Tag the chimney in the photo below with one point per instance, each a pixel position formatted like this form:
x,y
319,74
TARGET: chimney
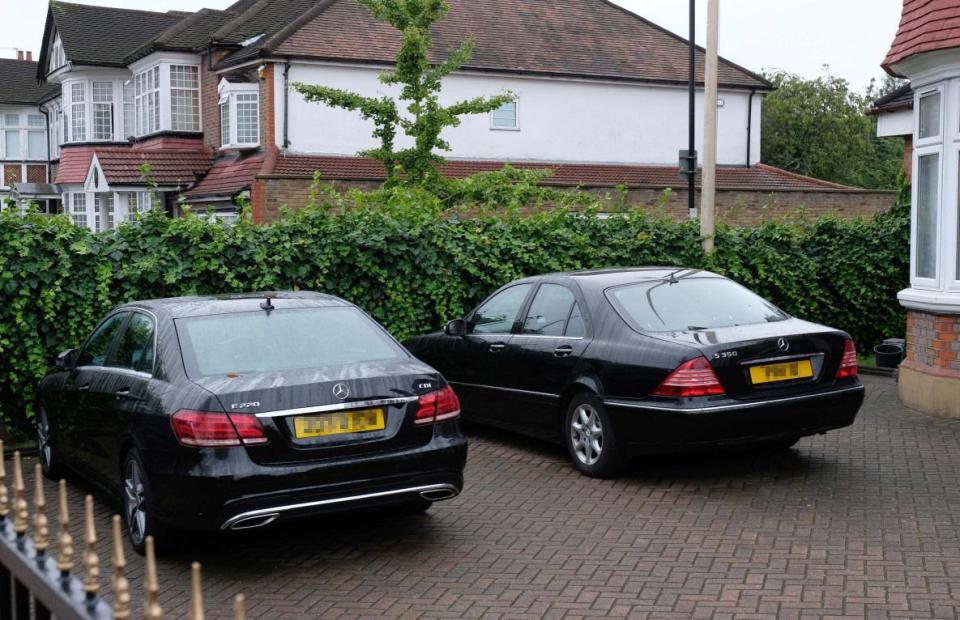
x,y
19,55
29,56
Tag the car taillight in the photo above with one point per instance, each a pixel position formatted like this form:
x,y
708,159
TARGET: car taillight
x,y
848,363
438,406
692,378
208,429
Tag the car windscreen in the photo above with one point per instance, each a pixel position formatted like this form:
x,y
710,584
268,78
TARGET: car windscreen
x,y
691,304
282,340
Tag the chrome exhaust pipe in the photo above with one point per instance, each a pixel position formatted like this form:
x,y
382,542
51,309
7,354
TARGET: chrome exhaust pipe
x,y
250,523
438,495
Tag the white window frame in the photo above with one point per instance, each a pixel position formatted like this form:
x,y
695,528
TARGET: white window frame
x,y
516,126
228,98
921,94
199,107
933,145
71,199
57,56
100,105
147,101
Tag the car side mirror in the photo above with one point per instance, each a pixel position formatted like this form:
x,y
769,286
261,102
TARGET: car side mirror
x,y
68,359
457,327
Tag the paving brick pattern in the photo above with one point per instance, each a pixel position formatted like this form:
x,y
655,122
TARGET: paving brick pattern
x,y
863,522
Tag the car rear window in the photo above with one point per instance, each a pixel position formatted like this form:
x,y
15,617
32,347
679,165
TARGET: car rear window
x,y
283,340
691,304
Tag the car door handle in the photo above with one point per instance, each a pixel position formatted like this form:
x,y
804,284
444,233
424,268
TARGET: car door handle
x,y
564,351
123,392
497,347
84,388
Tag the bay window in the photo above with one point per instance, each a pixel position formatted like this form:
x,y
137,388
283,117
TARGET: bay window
x,y
102,98
239,115
185,97
78,209
146,94
928,193
78,113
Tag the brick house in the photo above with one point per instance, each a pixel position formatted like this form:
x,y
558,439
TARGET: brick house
x,y
24,169
926,51
205,100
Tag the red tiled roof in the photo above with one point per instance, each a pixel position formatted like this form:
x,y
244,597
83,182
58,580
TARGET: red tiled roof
x,y
74,164
757,178
586,38
228,177
121,166
925,26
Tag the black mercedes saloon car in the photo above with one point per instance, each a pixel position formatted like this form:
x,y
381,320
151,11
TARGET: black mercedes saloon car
x,y
227,413
618,362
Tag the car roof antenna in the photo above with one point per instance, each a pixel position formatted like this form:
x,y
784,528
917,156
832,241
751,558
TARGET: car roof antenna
x,y
268,305
672,278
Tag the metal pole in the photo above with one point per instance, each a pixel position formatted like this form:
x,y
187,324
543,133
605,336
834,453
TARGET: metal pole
x,y
692,177
709,185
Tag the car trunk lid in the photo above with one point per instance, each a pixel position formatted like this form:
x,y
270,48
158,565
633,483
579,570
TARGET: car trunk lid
x,y
768,359
329,413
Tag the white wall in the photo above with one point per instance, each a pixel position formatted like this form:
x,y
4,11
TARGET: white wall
x,y
560,120
899,123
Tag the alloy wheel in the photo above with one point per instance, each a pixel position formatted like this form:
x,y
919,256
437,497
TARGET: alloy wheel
x,y
133,500
586,431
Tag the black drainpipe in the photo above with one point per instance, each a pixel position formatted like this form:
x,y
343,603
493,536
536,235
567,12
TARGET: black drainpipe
x,y
286,105
49,159
750,123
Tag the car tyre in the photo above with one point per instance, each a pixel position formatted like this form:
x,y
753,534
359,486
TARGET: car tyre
x,y
49,460
590,438
139,507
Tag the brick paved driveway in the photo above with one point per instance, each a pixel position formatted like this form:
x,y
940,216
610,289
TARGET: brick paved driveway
x,y
860,522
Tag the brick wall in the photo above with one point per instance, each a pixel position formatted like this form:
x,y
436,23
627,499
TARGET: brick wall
x,y
267,105
933,340
737,208
210,100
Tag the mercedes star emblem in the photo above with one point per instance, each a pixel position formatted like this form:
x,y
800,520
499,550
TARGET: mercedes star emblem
x,y
341,391
784,345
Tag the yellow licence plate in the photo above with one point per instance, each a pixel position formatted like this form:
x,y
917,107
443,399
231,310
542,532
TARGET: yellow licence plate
x,y
340,423
786,371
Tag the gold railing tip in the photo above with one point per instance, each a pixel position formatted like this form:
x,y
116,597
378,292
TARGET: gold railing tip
x,y
120,584
197,598
41,527
151,604
21,512
91,563
239,607
65,542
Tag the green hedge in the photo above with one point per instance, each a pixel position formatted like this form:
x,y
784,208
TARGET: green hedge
x,y
414,268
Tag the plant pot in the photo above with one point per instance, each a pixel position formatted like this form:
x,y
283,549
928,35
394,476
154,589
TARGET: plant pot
x,y
888,355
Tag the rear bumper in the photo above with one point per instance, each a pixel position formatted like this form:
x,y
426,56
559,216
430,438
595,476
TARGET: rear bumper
x,y
215,489
647,427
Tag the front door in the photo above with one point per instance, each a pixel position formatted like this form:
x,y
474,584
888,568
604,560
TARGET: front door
x,y
478,369
79,428
551,340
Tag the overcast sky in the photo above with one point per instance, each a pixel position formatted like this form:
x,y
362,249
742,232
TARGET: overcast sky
x,y
851,36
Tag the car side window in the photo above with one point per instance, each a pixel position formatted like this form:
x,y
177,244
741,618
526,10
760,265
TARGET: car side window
x,y
549,311
135,351
498,314
576,327
98,344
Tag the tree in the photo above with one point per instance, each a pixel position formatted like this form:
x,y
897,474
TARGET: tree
x,y
420,83
821,128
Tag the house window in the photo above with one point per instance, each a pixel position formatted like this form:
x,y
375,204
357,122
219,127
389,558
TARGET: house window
x,y
239,115
78,209
225,123
36,145
929,115
102,96
36,174
11,144
11,174
138,203
185,97
129,111
78,113
57,58
928,186
11,120
248,118
36,120
505,117
146,94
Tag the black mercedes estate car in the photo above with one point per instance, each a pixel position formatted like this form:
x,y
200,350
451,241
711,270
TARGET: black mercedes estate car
x,y
627,361
227,413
